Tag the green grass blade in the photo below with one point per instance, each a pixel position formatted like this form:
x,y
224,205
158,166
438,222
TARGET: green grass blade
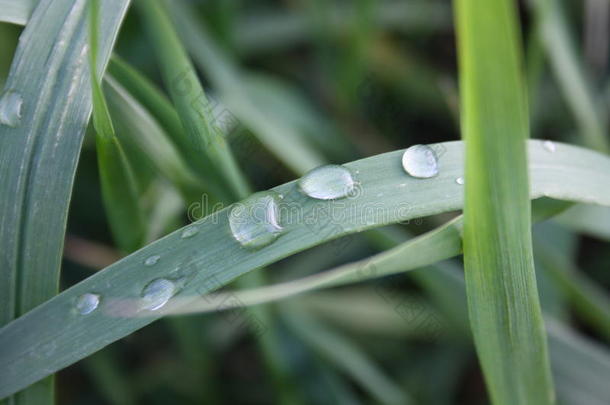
x,y
136,127
570,74
38,160
187,93
570,173
346,356
279,137
591,220
588,300
503,302
119,190
16,11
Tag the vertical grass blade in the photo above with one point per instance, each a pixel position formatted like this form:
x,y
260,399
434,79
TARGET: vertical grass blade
x,y
119,190
38,154
503,302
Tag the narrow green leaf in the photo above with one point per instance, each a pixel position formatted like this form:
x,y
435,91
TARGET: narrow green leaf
x,y
569,173
279,137
119,190
187,93
570,74
39,153
504,308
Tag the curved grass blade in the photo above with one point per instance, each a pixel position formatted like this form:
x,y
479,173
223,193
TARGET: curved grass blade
x,y
212,258
503,303
119,190
187,93
38,158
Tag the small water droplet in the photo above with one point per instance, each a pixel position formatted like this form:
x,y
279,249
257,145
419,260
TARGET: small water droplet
x,y
156,293
189,232
255,221
327,182
460,181
549,146
380,195
10,108
402,185
420,161
87,303
152,260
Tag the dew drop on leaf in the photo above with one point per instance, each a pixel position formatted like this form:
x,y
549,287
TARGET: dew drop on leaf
x,y
328,182
87,303
420,161
152,260
189,232
255,221
156,293
10,108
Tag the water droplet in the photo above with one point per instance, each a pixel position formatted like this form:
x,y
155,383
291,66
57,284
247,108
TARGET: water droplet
x,y
10,108
87,303
460,181
189,232
152,260
157,293
420,161
549,146
255,222
327,182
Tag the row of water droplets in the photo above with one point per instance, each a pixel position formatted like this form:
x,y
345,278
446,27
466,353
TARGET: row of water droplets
x,y
154,295
255,222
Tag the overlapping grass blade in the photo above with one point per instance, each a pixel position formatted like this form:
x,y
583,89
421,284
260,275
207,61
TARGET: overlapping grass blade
x,y
569,173
503,299
231,84
191,102
38,159
16,11
119,189
570,74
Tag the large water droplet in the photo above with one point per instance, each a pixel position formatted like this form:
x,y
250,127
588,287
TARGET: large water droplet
x,y
549,146
87,303
157,293
420,161
189,232
255,222
327,182
152,260
460,181
10,108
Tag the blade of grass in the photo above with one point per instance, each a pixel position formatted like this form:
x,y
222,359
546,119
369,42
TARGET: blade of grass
x,y
191,101
16,11
503,303
280,138
119,190
569,173
193,108
346,356
570,74
38,160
